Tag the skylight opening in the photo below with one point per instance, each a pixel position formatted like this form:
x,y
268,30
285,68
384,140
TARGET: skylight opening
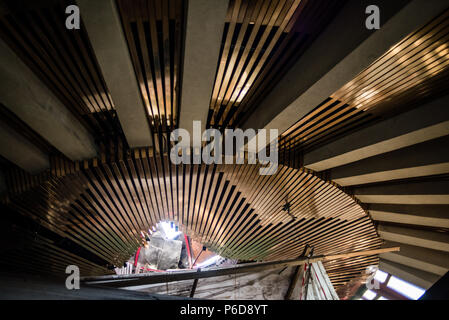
x,y
370,295
169,229
381,276
405,288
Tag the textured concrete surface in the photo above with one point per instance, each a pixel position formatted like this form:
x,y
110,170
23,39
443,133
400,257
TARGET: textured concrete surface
x,y
25,95
267,285
20,151
205,23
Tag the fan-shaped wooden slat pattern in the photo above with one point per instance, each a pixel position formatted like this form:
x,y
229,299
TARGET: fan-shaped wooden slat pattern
x,y
231,209
154,32
413,70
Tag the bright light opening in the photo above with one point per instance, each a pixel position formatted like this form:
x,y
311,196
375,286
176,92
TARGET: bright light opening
x,y
370,295
169,230
382,298
405,288
381,276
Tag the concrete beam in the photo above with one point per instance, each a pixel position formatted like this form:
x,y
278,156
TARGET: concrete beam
x,y
26,96
420,238
425,123
427,215
426,192
202,51
20,151
103,25
424,159
353,61
417,277
433,261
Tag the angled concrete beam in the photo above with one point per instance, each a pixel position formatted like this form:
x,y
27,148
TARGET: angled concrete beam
x,y
104,28
424,159
433,261
26,96
421,215
20,151
425,123
420,238
417,277
427,192
347,25
202,51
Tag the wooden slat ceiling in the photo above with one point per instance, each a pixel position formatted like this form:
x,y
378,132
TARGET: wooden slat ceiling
x,y
415,69
325,122
33,253
154,31
103,204
234,211
260,41
62,59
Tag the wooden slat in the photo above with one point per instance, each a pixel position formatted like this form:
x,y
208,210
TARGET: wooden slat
x,y
154,31
261,40
415,69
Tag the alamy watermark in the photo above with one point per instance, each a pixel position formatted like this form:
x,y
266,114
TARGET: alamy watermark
x,y
207,147
73,20
72,282
372,22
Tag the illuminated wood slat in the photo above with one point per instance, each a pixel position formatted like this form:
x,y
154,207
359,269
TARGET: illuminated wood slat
x,y
413,70
408,63
231,209
261,39
64,60
153,31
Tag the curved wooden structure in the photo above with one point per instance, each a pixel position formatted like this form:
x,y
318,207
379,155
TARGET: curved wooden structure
x,y
231,209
